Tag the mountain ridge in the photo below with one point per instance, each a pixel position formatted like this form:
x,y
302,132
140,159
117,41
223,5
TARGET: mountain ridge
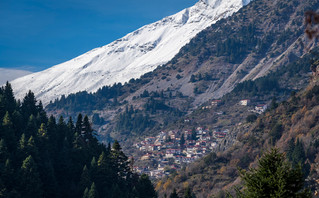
x,y
129,57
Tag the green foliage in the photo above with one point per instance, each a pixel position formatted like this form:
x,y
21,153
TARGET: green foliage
x,y
144,188
251,118
31,185
83,101
276,132
273,177
42,158
133,121
93,192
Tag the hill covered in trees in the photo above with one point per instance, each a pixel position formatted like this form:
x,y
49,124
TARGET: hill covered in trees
x,y
42,157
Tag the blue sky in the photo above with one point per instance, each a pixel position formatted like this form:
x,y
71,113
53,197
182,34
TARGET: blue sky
x,y
37,34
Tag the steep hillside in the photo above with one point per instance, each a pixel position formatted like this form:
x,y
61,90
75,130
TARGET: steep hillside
x,y
262,37
292,126
129,57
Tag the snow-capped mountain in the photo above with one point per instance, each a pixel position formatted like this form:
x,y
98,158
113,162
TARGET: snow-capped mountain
x,y
129,57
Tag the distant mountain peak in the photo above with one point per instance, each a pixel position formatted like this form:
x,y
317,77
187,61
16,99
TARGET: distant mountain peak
x,y
133,55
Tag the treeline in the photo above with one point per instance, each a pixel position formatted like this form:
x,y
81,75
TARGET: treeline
x,y
42,157
138,120
236,48
133,121
107,96
82,101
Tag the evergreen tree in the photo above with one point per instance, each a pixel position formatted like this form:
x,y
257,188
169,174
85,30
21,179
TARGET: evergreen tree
x,y
32,127
298,155
53,156
182,142
93,169
8,132
194,134
9,100
4,154
291,148
29,106
78,125
32,149
70,131
9,178
41,116
86,193
93,192
85,180
273,178
87,130
145,188
31,186
105,175
120,161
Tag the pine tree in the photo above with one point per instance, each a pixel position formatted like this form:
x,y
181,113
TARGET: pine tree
x,y
105,175
93,169
32,149
120,161
8,131
4,154
31,186
32,127
29,106
78,125
298,155
291,148
86,193
85,180
273,177
87,130
93,192
70,131
9,100
9,178
182,142
41,116
145,187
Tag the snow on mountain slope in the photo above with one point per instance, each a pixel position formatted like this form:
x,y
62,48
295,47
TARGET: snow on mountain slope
x,y
129,57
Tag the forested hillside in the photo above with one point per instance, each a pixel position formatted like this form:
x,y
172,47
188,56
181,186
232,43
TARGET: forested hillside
x,y
42,157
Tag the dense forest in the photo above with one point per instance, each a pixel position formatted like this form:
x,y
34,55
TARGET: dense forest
x,y
42,157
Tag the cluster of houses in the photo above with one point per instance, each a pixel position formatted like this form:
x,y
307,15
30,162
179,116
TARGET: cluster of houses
x,y
173,148
259,108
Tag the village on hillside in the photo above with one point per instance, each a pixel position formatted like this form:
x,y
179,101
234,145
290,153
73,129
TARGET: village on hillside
x,y
170,150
